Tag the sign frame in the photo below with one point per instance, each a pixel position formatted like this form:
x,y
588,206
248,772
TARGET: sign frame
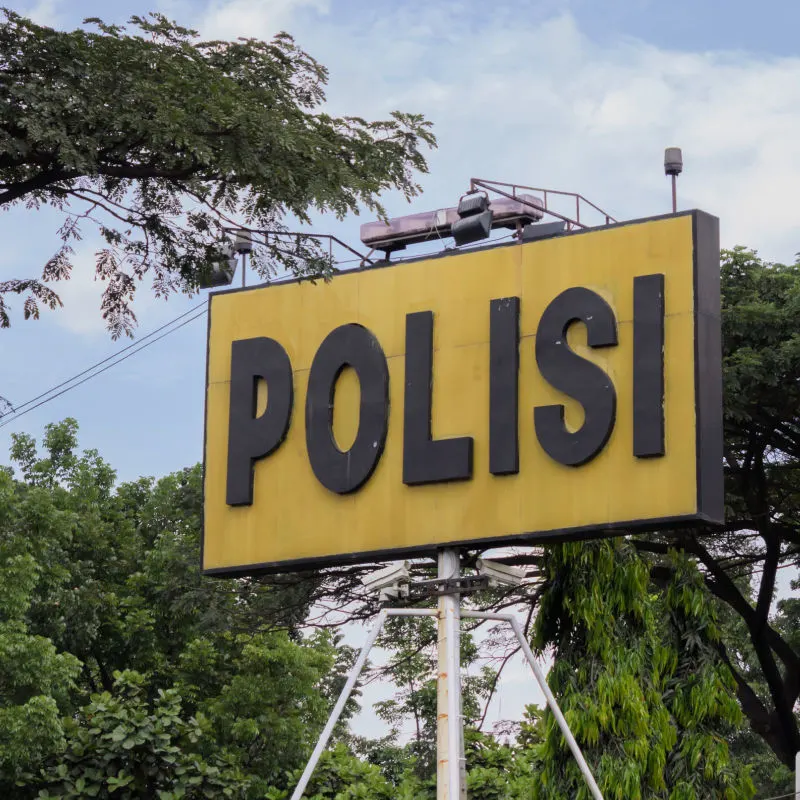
x,y
708,425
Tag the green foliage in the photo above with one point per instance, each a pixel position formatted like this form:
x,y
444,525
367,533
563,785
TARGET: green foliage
x,y
761,362
638,678
120,745
105,619
266,702
160,140
761,305
340,776
36,681
215,673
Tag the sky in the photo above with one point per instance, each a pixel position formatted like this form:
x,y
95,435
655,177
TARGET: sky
x,y
578,95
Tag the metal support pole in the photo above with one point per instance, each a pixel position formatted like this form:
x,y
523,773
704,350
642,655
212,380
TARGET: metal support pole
x,y
797,776
339,707
449,735
244,267
551,700
451,764
349,686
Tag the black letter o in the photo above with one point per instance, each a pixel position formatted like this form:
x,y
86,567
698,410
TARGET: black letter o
x,y
347,346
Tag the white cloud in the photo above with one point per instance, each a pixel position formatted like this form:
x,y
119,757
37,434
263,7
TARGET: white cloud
x,y
44,12
253,18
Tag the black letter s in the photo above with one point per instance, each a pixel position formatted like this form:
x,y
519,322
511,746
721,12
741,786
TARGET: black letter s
x,y
566,371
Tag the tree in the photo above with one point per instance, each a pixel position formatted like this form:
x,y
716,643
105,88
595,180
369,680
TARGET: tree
x,y
161,140
121,746
35,680
118,659
413,667
638,678
761,359
219,675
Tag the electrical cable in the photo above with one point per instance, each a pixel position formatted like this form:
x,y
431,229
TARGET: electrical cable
x,y
138,342
141,345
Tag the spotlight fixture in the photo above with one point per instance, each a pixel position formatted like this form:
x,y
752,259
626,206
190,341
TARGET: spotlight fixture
x,y
542,230
475,219
220,268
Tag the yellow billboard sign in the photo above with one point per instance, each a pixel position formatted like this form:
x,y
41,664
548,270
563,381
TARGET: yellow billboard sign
x,y
561,388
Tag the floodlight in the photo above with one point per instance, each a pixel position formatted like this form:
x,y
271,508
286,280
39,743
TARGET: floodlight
x,y
542,231
219,269
475,219
472,228
470,204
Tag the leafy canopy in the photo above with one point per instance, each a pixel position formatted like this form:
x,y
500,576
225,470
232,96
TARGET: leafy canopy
x,y
123,671
161,140
638,678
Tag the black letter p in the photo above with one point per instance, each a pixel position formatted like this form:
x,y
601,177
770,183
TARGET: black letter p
x,y
251,437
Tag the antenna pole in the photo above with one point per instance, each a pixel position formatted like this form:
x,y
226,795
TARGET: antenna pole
x,y
673,166
674,194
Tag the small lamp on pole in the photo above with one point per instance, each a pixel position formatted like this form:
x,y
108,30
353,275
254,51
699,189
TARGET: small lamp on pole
x,y
673,166
243,245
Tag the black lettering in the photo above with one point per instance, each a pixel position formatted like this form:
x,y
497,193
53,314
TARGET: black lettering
x,y
648,366
504,386
250,437
347,346
575,376
426,460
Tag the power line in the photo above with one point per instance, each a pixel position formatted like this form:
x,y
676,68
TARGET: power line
x,y
137,343
135,348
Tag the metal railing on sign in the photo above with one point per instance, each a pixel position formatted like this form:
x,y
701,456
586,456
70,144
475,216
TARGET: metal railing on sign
x,y
516,190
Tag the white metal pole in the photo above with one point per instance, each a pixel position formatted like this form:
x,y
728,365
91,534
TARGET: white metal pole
x,y
797,776
448,696
339,707
551,700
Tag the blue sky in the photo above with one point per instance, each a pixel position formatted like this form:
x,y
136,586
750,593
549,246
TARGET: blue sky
x,y
580,95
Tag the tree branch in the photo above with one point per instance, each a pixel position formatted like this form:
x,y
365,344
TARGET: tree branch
x,y
41,181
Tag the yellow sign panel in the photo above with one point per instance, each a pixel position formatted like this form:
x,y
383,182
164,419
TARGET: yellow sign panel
x,y
565,387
